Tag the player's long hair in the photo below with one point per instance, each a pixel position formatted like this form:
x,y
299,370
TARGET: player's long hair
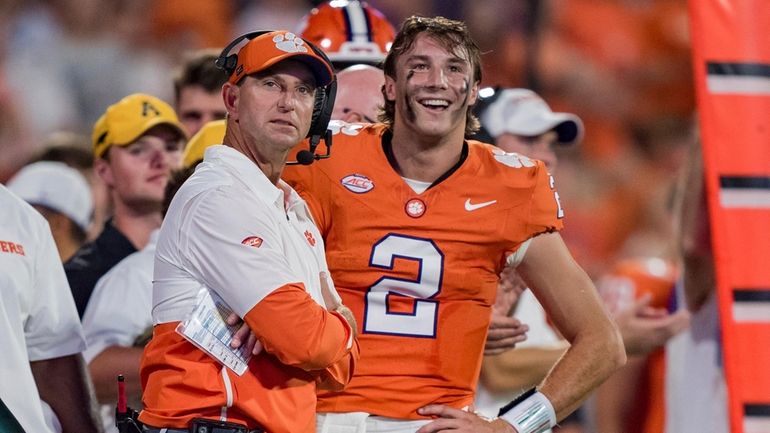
x,y
453,36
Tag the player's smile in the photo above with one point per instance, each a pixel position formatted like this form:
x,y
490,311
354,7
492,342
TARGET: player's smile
x,y
434,104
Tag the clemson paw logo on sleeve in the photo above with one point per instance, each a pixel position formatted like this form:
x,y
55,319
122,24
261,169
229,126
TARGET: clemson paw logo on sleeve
x,y
514,160
252,241
290,43
339,126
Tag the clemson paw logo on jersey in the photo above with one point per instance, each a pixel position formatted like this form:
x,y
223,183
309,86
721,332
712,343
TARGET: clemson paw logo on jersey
x,y
415,208
252,241
290,43
514,160
357,183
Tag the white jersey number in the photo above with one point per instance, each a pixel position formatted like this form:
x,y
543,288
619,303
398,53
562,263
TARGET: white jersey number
x,y
421,321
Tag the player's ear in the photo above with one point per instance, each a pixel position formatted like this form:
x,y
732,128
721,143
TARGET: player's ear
x,y
389,88
474,96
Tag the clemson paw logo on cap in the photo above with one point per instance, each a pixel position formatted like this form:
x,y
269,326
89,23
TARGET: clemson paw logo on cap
x,y
290,43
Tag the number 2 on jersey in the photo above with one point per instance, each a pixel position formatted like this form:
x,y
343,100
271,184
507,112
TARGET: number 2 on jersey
x,y
421,321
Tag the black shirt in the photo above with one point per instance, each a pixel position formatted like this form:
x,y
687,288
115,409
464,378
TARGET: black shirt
x,y
93,260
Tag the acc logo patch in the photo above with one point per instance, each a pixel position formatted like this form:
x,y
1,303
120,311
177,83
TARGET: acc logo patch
x,y
357,183
514,160
252,241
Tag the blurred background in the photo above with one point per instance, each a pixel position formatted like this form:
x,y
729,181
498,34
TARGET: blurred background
x,y
623,66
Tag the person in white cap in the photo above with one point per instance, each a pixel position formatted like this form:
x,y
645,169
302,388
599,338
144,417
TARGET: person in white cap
x,y
518,120
136,144
62,195
40,333
236,230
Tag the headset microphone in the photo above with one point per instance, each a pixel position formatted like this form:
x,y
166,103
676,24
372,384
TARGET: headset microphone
x,y
305,157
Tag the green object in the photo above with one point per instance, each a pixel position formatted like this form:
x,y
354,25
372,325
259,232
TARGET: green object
x,y
8,422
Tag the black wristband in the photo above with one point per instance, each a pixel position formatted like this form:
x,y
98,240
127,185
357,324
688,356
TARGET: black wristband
x,y
516,401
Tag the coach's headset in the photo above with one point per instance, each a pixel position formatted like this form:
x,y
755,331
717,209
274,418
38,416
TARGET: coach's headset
x,y
322,106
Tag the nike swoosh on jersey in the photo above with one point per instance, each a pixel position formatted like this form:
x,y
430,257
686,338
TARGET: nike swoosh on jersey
x,y
470,207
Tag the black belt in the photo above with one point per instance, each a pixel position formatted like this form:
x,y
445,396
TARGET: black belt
x,y
200,425
176,430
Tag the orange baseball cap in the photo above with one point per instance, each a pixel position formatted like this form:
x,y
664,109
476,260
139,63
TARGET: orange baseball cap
x,y
270,48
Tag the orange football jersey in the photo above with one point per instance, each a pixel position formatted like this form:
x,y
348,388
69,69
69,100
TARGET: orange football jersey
x,y
419,271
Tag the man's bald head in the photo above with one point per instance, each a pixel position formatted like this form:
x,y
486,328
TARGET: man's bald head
x,y
359,94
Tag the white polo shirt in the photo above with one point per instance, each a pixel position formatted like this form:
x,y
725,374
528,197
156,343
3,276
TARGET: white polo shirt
x,y
120,310
38,319
230,229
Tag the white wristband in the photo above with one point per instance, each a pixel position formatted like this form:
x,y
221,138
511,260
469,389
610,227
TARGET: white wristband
x,y
534,414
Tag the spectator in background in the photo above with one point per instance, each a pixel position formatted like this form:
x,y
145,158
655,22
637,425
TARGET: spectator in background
x,y
76,54
75,151
118,322
40,333
62,195
137,142
211,133
359,94
696,392
197,90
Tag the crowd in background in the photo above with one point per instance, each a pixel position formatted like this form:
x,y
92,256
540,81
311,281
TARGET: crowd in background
x,y
622,66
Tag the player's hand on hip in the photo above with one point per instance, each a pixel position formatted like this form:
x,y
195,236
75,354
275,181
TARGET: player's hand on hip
x,y
459,421
334,303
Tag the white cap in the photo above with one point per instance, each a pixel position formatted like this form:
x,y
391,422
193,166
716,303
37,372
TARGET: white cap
x,y
523,112
57,186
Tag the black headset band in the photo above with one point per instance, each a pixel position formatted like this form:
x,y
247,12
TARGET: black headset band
x,y
227,62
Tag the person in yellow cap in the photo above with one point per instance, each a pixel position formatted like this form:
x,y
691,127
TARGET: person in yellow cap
x,y
136,144
210,134
236,232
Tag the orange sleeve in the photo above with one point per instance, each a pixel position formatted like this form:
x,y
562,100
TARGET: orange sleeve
x,y
298,331
337,375
545,213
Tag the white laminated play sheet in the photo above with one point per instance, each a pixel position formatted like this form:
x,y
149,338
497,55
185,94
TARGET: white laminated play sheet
x,y
206,328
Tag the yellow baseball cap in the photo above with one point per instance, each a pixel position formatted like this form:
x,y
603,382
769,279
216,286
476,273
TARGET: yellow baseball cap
x,y
128,119
270,48
212,133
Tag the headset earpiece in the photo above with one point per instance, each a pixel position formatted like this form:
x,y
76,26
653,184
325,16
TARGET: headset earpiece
x,y
226,61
